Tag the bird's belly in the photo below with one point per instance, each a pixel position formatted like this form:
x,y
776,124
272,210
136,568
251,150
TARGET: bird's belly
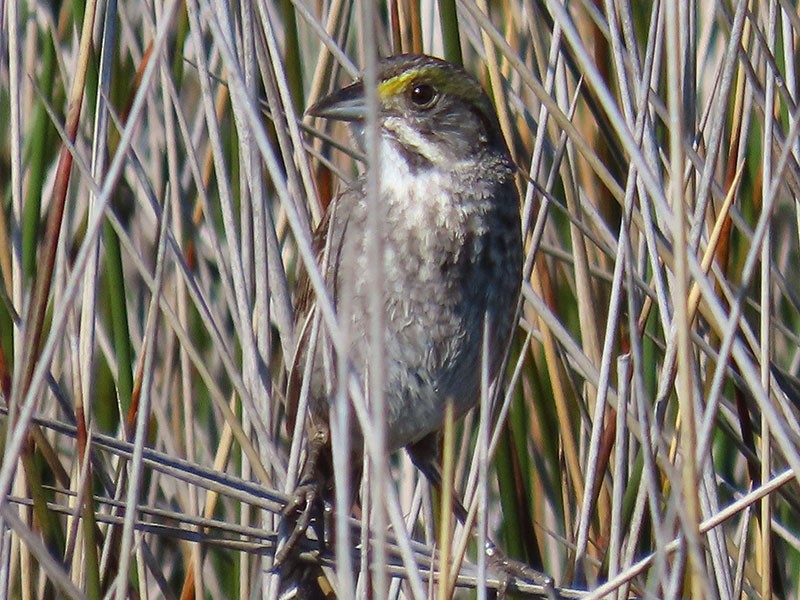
x,y
429,362
416,410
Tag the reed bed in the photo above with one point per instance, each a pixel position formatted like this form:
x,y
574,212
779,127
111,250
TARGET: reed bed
x,y
160,184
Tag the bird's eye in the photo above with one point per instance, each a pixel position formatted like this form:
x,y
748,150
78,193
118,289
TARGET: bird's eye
x,y
423,95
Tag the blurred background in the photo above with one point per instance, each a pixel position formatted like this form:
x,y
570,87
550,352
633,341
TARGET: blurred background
x,y
159,187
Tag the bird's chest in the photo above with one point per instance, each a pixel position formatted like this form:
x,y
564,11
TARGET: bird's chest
x,y
434,288
442,264
434,237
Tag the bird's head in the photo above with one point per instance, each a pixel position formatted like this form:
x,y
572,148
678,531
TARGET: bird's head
x,y
434,111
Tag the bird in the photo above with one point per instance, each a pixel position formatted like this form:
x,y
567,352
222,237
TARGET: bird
x,y
451,263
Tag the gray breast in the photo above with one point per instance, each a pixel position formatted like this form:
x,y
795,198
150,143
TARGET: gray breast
x,y
439,282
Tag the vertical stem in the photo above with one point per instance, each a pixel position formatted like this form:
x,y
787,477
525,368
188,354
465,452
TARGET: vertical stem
x,y
375,268
675,17
446,511
448,18
765,334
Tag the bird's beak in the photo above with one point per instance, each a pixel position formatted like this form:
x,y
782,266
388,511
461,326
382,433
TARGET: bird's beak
x,y
346,104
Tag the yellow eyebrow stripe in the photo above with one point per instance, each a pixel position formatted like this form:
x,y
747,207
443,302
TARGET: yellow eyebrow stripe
x,y
397,84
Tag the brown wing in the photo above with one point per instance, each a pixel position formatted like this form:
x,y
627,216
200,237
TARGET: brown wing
x,y
304,311
327,245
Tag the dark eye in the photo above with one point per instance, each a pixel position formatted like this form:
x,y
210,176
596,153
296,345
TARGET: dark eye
x,y
423,95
